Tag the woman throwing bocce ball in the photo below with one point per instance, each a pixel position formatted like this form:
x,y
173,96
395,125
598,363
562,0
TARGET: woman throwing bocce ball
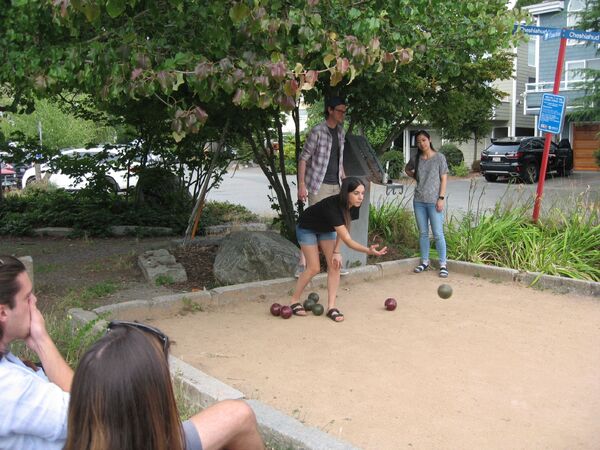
x,y
326,224
430,170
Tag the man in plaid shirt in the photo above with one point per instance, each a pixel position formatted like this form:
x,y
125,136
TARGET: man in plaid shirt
x,y
321,163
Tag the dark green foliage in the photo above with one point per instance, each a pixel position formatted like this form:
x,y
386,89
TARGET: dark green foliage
x,y
396,159
597,156
453,155
36,208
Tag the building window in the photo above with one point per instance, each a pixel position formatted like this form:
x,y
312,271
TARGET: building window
x,y
573,73
574,10
531,46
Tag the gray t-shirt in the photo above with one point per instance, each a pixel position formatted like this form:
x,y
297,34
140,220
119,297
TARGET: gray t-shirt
x,y
430,174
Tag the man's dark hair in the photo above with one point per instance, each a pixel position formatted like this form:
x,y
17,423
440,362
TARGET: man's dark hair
x,y
10,269
332,102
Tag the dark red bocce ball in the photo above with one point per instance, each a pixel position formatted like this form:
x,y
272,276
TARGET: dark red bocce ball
x,y
286,312
390,304
275,309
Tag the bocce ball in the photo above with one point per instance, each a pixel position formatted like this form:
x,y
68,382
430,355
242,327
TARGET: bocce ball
x,y
286,312
317,309
309,304
275,309
314,297
445,291
390,304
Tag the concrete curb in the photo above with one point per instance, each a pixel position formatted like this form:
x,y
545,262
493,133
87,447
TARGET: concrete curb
x,y
283,430
276,427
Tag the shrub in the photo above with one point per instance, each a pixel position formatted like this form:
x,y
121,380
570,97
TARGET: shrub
x,y
396,160
459,171
597,156
454,156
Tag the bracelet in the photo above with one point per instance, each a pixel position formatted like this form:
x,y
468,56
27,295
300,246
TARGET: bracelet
x,y
336,253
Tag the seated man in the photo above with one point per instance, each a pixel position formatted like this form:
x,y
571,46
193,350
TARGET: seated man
x,y
34,402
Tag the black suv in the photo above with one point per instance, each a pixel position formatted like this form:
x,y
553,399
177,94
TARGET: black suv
x,y
522,157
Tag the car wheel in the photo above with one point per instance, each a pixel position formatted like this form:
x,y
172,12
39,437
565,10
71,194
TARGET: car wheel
x,y
29,181
490,178
531,173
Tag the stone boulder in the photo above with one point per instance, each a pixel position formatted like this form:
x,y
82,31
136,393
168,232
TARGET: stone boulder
x,y
246,256
160,263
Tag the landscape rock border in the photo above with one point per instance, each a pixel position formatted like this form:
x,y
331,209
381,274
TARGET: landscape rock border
x,y
278,428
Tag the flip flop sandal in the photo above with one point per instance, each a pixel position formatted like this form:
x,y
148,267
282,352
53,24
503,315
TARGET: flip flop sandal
x,y
334,313
421,267
443,272
298,308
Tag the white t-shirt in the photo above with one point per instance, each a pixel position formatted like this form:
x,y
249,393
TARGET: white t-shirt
x,y
33,411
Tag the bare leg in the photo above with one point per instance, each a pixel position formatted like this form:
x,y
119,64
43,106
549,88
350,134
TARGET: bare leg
x,y
333,274
311,253
229,424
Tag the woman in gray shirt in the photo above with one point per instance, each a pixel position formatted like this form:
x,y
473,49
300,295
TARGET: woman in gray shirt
x,y
430,170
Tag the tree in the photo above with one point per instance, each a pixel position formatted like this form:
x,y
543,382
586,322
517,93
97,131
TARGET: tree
x,y
471,114
523,3
459,50
247,62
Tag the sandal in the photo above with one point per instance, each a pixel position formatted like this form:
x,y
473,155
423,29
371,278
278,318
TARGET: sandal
x,y
334,313
298,309
421,267
443,272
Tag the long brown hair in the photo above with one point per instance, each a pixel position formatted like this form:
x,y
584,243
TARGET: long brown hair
x,y
349,184
122,396
10,269
419,152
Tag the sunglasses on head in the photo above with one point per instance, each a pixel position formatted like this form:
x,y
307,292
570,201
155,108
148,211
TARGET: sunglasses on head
x,y
163,338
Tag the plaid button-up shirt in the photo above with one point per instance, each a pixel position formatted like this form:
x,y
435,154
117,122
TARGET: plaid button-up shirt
x,y
316,153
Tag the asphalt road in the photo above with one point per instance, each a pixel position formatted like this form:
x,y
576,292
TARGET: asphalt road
x,y
249,187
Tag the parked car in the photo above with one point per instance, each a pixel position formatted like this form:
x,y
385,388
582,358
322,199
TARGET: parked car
x,y
19,169
117,180
7,176
522,157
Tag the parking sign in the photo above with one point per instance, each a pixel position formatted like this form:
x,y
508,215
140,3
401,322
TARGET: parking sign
x,y
551,113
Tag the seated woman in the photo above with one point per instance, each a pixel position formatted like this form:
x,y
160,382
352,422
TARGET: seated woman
x,y
326,224
122,398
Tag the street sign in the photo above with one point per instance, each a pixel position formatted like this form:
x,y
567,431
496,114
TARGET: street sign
x,y
537,31
552,113
581,35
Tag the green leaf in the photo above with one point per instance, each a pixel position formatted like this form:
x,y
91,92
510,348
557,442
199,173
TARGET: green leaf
x,y
239,12
327,59
115,8
179,81
91,12
178,136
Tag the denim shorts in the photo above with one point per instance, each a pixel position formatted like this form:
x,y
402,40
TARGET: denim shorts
x,y
310,237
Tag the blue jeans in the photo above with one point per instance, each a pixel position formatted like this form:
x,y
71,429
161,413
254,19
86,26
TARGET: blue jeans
x,y
425,214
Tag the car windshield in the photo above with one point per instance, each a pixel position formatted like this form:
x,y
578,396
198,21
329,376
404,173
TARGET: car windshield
x,y
502,148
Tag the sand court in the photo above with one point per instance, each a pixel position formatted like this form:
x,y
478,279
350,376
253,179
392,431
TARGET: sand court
x,y
496,366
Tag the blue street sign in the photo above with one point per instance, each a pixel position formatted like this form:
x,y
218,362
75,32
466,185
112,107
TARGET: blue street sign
x,y
551,113
538,31
581,35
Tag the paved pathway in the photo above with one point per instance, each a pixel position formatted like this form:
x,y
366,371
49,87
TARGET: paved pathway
x,y
249,187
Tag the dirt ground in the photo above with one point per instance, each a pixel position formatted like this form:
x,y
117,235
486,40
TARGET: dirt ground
x,y
496,366
63,266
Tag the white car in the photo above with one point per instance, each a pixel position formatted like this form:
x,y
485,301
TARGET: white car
x,y
118,180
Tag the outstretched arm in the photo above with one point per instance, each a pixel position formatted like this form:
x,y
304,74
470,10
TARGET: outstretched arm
x,y
344,235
